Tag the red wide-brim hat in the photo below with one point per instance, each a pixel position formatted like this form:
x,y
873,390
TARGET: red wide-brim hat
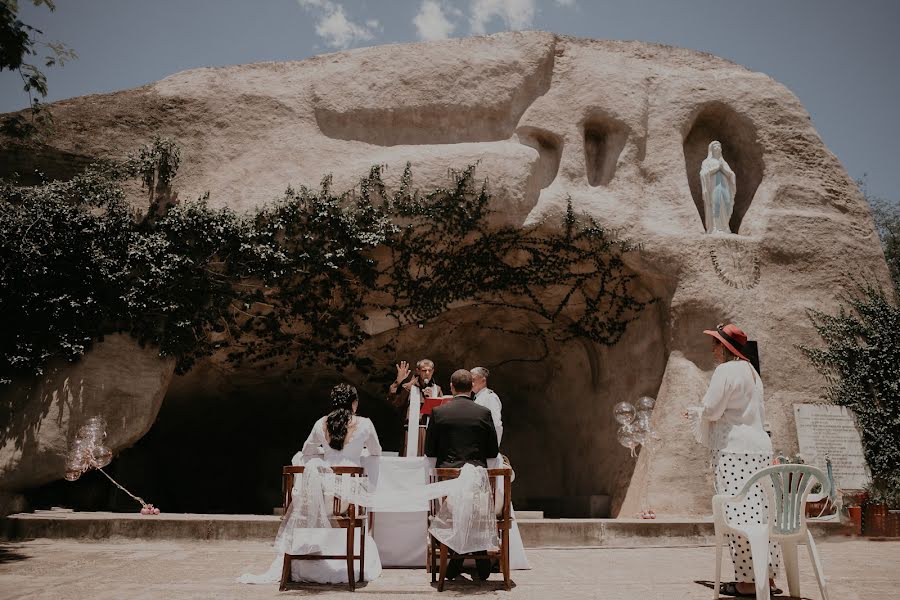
x,y
732,337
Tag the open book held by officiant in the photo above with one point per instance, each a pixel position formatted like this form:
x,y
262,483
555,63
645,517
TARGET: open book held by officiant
x,y
429,404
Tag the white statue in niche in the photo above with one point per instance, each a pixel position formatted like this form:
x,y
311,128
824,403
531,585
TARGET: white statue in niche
x,y
719,185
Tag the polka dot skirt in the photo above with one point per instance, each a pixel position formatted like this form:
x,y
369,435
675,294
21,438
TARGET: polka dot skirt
x,y
732,471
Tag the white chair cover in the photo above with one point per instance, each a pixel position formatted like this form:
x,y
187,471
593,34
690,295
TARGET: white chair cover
x,y
465,523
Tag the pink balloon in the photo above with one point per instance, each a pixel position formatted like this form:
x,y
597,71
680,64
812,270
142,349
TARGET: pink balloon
x,y
145,511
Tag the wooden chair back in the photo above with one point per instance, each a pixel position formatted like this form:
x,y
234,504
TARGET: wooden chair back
x,y
343,515
289,474
504,474
498,477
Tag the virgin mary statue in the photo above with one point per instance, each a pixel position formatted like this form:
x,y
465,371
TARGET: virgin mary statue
x,y
719,185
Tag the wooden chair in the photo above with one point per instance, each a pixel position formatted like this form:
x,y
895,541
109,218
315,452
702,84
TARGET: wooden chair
x,y
344,517
504,524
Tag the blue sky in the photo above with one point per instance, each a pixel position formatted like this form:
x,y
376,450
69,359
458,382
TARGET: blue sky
x,y
839,57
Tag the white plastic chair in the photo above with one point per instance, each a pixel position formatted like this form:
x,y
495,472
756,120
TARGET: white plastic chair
x,y
790,484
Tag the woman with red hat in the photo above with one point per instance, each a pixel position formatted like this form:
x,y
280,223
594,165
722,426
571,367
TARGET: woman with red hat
x,y
731,423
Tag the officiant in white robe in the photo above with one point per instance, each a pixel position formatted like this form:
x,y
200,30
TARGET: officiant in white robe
x,y
486,397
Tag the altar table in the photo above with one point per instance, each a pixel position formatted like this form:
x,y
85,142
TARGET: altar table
x,y
401,536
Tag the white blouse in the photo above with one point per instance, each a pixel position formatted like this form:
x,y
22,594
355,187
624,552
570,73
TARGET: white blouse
x,y
732,416
362,436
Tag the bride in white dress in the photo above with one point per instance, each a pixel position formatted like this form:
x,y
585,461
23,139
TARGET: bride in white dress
x,y
343,435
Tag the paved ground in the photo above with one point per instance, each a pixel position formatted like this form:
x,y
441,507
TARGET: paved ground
x,y
61,570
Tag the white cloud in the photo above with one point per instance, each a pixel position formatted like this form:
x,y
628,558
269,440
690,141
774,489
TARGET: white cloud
x,y
333,26
515,14
431,22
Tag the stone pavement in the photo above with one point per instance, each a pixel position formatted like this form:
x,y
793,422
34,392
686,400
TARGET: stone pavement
x,y
188,570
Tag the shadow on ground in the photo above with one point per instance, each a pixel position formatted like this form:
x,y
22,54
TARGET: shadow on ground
x,y
9,553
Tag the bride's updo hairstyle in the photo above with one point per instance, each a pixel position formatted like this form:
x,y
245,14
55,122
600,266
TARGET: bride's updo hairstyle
x,y
342,398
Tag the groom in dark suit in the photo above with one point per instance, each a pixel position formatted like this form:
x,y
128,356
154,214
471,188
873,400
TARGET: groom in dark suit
x,y
461,432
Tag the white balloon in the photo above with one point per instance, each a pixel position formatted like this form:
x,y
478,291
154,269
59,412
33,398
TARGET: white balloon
x,y
642,420
645,403
625,436
101,457
624,412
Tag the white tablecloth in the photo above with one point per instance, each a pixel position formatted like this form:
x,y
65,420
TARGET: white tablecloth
x,y
401,536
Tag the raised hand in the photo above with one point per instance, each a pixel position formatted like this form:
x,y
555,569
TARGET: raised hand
x,y
402,372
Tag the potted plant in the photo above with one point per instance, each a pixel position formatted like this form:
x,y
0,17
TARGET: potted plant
x,y
853,502
817,503
881,516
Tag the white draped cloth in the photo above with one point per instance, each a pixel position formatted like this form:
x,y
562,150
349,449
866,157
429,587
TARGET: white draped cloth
x,y
466,521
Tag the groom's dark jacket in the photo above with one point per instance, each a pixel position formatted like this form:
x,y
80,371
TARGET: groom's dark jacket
x,y
461,432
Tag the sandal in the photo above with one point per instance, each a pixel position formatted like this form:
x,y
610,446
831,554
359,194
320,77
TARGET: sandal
x,y
730,589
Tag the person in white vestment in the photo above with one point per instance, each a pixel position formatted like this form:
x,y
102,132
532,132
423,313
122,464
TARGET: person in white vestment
x,y
344,435
731,423
488,398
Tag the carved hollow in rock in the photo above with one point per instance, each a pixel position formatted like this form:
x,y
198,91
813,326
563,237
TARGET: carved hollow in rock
x,y
604,140
398,119
740,147
549,147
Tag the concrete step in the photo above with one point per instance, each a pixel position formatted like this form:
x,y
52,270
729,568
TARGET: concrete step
x,y
536,533
529,515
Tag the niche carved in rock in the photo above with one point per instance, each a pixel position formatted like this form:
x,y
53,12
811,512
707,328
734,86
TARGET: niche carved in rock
x,y
740,147
549,147
604,140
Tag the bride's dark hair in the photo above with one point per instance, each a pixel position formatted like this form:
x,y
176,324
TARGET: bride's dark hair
x,y
338,420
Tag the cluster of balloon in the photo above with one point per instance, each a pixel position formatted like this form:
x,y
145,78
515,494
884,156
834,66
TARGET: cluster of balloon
x,y
634,423
89,452
634,430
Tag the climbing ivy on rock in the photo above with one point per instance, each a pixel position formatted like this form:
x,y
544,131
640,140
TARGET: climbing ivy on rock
x,y
861,365
292,283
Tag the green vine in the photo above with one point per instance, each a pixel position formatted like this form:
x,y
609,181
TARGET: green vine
x,y
861,365
156,163
290,284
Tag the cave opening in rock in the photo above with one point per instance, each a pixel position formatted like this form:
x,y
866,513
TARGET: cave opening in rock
x,y
740,147
222,436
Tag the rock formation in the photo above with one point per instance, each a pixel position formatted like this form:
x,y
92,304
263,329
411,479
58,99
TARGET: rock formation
x,y
620,128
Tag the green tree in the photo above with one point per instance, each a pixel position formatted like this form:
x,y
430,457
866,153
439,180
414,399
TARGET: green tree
x,y
23,50
887,223
861,366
